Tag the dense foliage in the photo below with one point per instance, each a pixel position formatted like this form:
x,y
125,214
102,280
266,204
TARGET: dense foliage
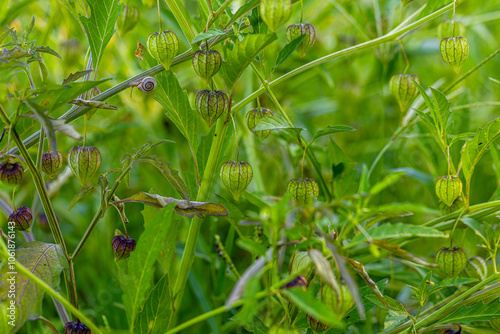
x,y
209,166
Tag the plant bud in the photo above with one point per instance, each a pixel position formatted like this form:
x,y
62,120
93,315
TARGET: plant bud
x,y
476,268
454,51
22,217
207,63
128,19
296,30
43,222
451,261
445,28
297,281
404,89
76,327
11,172
340,305
303,191
236,176
122,246
163,47
253,117
448,189
275,13
315,324
495,324
299,261
51,163
211,105
84,162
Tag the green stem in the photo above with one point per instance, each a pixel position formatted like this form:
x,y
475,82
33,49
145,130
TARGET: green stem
x,y
203,193
214,16
47,288
186,28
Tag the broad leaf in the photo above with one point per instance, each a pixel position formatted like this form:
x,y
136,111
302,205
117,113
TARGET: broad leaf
x,y
85,191
288,50
211,33
309,304
42,117
274,123
247,6
399,230
405,2
46,49
100,26
324,269
75,76
136,272
43,260
358,266
155,313
332,129
476,312
432,6
170,174
474,149
243,54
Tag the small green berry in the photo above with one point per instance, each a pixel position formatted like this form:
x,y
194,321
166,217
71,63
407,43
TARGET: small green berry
x,y
451,261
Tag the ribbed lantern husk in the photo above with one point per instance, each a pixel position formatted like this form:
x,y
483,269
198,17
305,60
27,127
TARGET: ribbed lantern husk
x,y
253,118
236,176
303,191
128,19
315,324
451,261
404,89
275,13
296,30
11,172
76,327
84,162
51,163
207,63
454,51
22,218
163,47
122,246
211,105
448,189
445,29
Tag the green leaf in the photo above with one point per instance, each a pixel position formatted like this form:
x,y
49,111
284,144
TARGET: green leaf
x,y
211,33
100,26
251,246
324,269
288,50
247,6
332,129
75,76
155,313
307,303
173,98
43,260
136,272
42,117
405,2
476,312
275,122
399,230
46,49
481,231
170,174
387,181
242,55
432,6
85,191
474,149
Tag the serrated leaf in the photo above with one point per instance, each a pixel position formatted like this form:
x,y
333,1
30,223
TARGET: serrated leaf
x,y
307,303
75,76
275,122
476,312
399,230
155,313
242,55
100,26
4,34
136,272
173,98
210,33
43,260
170,174
288,50
474,149
46,49
332,129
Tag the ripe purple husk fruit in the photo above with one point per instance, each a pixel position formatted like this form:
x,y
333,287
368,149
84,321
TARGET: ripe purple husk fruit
x,y
11,172
76,327
22,218
51,163
122,246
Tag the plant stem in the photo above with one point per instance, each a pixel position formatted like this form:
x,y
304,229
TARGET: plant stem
x,y
186,28
47,288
